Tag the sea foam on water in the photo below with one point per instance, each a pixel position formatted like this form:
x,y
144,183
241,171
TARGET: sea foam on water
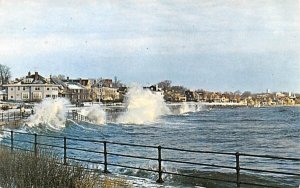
x,y
49,113
189,107
143,106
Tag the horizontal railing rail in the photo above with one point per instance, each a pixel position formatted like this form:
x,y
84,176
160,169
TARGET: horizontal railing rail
x,y
199,151
102,151
13,116
270,157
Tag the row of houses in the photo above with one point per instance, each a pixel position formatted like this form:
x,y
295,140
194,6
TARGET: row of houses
x,y
34,87
262,99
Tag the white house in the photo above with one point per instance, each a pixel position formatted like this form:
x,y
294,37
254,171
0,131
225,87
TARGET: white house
x,y
107,93
33,87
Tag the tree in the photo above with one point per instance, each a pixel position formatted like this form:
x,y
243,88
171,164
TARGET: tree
x,y
179,89
237,93
165,84
117,83
5,74
246,94
59,77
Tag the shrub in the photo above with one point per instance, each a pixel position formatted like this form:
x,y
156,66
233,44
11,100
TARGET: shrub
x,y
24,169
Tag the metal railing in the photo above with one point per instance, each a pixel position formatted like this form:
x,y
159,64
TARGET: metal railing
x,y
74,115
13,116
36,141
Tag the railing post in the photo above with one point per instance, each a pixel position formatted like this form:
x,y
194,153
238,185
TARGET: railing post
x,y
2,116
14,116
65,150
12,140
160,180
237,160
35,144
8,116
105,157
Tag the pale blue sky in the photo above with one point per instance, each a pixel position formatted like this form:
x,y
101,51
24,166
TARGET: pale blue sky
x,y
215,45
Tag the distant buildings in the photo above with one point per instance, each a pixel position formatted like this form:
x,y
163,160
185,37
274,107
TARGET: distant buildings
x,y
76,90
30,88
155,89
34,88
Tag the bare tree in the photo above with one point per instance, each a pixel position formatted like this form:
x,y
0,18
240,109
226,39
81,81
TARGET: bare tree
x,y
59,77
5,74
246,94
179,89
117,83
166,84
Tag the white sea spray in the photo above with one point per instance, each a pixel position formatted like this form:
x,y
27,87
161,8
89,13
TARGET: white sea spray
x,y
95,114
143,106
186,107
50,113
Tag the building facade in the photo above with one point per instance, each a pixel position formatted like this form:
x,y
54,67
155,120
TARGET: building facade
x,y
31,88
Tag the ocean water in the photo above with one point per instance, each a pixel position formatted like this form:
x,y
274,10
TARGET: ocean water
x,y
262,131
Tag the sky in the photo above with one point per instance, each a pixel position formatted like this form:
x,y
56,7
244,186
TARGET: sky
x,y
215,45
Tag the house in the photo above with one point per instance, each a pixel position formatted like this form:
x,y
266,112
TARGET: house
x,y
175,97
202,96
105,90
191,96
30,88
155,89
86,82
107,94
178,97
105,83
76,90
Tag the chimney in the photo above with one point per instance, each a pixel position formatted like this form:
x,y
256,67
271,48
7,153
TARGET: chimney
x,y
36,76
29,73
68,78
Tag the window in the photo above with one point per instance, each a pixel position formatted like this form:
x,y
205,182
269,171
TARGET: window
x,y
18,88
12,89
37,95
37,88
24,88
48,95
11,97
48,88
25,95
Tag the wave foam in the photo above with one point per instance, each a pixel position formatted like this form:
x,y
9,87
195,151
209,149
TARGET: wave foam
x,y
143,106
49,113
95,114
